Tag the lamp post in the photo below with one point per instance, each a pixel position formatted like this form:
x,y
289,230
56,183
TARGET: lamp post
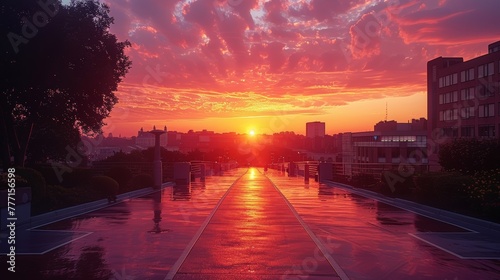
x,y
157,167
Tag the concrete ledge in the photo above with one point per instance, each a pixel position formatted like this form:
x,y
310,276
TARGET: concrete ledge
x,y
76,210
461,220
467,221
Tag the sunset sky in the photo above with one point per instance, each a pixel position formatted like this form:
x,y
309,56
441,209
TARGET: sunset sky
x,y
271,66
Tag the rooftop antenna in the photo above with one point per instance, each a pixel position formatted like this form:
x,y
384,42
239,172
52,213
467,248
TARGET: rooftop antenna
x,y
386,111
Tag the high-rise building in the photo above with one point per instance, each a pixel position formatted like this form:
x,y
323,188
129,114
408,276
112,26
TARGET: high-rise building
x,y
463,97
315,129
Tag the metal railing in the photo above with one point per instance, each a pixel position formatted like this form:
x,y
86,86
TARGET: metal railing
x,y
198,169
343,170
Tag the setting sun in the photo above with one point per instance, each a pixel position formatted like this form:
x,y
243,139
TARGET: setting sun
x,y
251,132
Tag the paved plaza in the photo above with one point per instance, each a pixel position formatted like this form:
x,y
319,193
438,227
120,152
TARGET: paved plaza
x,y
251,224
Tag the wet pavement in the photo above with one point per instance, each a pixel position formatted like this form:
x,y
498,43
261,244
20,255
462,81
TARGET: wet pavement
x,y
124,242
373,240
317,232
254,234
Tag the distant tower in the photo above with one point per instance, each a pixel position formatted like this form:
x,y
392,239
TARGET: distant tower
x,y
315,129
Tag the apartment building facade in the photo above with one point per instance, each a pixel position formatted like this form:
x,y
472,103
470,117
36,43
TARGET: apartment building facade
x,y
463,100
463,97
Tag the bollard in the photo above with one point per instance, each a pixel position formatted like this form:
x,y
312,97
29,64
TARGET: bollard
x,y
325,170
202,171
306,174
182,173
292,172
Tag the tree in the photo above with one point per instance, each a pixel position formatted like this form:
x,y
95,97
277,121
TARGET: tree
x,y
60,67
468,156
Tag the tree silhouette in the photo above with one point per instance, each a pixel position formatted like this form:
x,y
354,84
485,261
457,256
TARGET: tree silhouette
x,y
60,67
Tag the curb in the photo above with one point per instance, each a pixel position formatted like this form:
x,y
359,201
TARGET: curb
x,y
464,221
65,213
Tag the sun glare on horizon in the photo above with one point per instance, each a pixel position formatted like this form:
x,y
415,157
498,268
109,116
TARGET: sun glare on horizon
x,y
251,132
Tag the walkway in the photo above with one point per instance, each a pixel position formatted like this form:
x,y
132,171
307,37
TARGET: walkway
x,y
254,233
250,225
370,239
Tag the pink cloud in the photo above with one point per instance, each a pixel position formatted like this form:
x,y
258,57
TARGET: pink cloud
x,y
293,55
451,22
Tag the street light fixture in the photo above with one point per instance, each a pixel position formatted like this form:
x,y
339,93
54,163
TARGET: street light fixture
x,y
157,166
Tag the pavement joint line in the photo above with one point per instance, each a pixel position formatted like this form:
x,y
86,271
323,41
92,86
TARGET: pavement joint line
x,y
412,209
177,265
84,234
437,246
78,213
340,272
446,250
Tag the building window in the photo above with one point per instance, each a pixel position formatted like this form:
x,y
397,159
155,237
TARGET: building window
x,y
486,131
399,138
467,93
467,131
448,115
485,70
450,131
421,139
467,112
486,90
487,110
467,75
448,80
448,97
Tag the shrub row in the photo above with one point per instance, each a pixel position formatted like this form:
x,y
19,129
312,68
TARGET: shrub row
x,y
477,195
79,186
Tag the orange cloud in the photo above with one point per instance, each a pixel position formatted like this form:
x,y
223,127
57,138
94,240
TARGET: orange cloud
x,y
216,59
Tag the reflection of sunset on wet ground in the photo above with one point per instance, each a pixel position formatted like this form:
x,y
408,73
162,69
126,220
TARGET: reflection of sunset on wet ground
x,y
227,65
253,233
373,240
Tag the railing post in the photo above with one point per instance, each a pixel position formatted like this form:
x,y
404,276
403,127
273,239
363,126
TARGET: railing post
x,y
202,171
306,173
